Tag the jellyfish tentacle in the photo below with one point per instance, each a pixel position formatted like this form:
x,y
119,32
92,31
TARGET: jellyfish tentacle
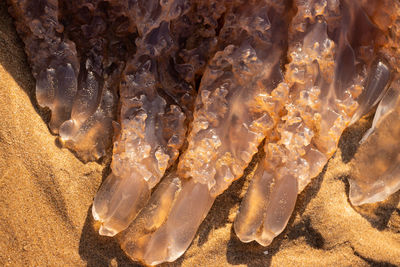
x,y
320,107
157,98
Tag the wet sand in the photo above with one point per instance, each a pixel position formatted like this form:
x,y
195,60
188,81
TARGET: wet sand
x,y
46,195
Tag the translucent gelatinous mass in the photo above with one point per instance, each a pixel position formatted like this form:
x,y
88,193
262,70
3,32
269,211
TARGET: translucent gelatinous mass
x,y
186,91
376,170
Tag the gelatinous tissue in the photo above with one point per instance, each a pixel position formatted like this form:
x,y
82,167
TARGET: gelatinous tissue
x,y
186,91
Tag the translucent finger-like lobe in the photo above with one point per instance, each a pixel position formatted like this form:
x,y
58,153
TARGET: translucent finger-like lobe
x,y
376,165
374,89
235,103
166,227
324,83
89,129
118,201
151,133
171,240
155,236
56,88
53,58
275,198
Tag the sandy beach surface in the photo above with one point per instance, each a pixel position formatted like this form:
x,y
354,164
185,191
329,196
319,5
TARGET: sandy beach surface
x,y
46,195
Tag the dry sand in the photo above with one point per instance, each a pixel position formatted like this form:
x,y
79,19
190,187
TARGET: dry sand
x,y
46,195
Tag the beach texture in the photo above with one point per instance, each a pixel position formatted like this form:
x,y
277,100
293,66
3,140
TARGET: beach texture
x,y
46,195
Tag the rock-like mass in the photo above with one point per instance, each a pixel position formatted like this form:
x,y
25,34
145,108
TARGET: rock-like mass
x,y
188,91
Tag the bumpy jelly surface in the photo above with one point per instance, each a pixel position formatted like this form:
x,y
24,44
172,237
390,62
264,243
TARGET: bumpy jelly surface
x,y
186,91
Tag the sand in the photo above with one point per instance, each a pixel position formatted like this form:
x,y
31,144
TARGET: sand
x,y
46,195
